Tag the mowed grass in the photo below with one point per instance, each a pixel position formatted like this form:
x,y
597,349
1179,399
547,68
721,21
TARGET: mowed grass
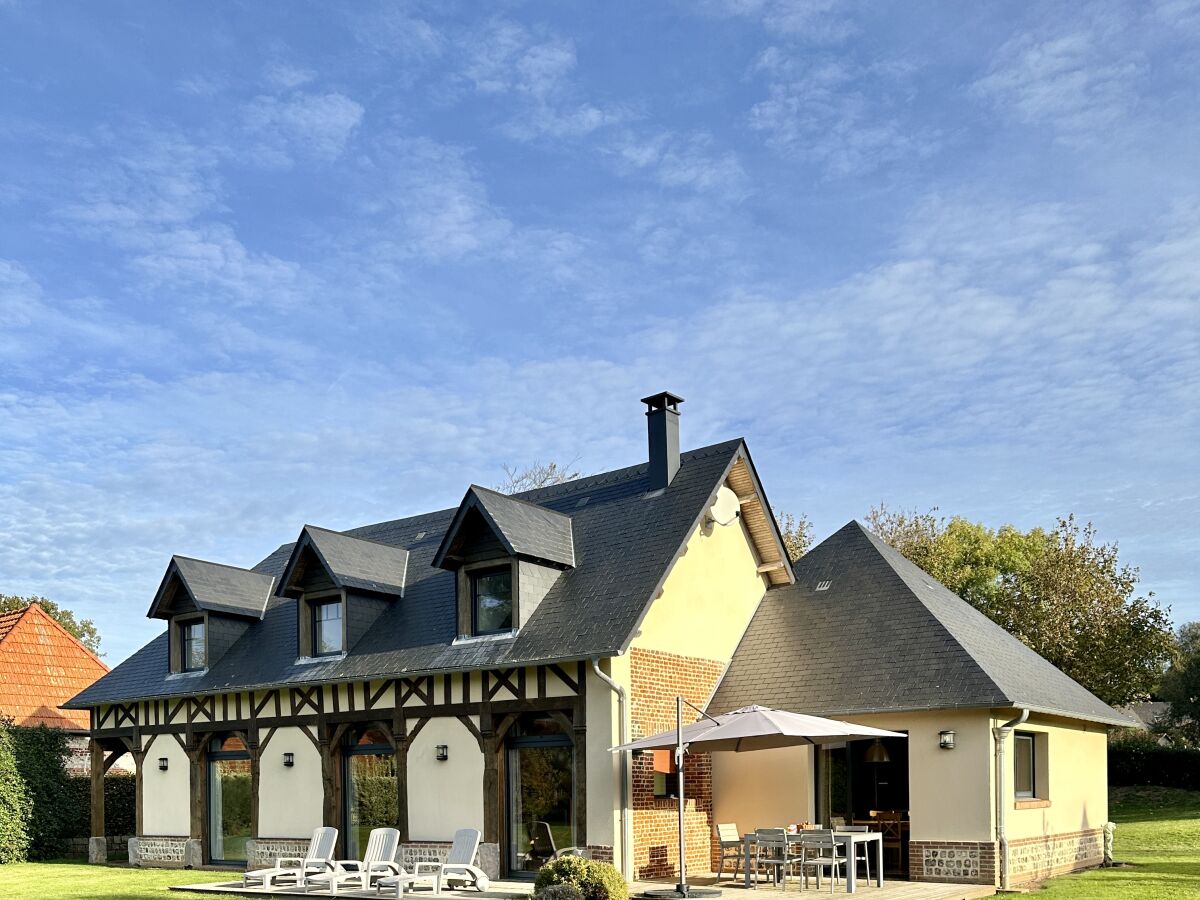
x,y
1158,831
53,880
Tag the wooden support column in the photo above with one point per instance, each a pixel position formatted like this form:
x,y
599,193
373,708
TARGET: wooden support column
x,y
328,785
400,736
491,776
579,737
97,766
255,755
139,801
197,782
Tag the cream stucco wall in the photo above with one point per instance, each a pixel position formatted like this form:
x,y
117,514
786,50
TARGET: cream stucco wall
x,y
604,767
708,597
1074,757
949,791
290,799
764,788
444,796
166,795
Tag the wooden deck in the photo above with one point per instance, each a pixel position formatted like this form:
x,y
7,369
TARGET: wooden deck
x,y
521,890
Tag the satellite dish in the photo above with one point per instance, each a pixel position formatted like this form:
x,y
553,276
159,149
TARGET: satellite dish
x,y
725,508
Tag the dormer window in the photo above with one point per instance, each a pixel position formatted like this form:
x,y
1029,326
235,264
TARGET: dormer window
x,y
193,651
327,627
491,600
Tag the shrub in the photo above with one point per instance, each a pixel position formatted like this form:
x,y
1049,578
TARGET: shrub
x,y
560,892
1141,762
14,802
120,797
594,880
41,760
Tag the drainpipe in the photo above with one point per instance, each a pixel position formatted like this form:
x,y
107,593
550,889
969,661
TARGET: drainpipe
x,y
626,789
1001,734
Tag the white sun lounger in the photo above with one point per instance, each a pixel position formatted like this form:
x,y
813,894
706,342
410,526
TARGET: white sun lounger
x,y
294,870
379,861
458,867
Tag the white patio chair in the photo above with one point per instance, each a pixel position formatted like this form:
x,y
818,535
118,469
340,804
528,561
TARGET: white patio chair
x,y
819,851
731,847
378,861
294,869
458,867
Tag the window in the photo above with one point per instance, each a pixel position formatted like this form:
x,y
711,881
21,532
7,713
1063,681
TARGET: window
x,y
491,600
1024,765
327,627
191,646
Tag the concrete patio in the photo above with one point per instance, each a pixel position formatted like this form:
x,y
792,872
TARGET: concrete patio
x,y
519,890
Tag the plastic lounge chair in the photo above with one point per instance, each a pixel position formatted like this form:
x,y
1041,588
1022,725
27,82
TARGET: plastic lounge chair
x,y
295,869
379,861
731,847
459,866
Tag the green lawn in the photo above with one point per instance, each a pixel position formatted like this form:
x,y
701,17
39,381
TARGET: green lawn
x,y
70,880
1158,830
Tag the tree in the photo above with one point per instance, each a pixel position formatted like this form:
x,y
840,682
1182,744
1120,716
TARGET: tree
x,y
797,534
84,629
1181,690
1062,592
536,475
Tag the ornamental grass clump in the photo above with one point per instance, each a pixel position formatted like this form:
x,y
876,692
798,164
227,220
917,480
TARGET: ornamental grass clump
x,y
593,880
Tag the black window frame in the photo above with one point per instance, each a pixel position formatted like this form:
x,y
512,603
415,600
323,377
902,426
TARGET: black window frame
x,y
314,608
185,628
1021,738
473,579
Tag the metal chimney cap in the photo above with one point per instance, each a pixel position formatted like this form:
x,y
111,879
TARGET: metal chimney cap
x,y
663,400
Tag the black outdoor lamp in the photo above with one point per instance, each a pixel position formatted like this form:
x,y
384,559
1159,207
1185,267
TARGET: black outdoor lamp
x,y
441,752
946,740
162,764
289,760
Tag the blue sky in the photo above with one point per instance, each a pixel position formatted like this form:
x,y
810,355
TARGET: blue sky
x,y
264,264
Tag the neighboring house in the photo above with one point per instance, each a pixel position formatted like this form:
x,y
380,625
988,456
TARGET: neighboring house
x,y
41,666
473,666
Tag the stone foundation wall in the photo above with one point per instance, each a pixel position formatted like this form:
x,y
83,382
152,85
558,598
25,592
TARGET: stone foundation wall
x,y
77,848
159,851
1032,859
413,852
261,853
972,862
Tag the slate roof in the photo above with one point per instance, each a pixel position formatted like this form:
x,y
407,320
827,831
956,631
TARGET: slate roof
x,y
886,636
625,541
356,562
218,588
526,529
41,666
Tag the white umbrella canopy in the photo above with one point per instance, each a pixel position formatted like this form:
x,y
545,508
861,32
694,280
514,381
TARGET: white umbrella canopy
x,y
759,728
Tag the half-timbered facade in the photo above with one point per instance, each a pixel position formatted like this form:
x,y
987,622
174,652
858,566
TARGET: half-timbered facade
x,y
464,668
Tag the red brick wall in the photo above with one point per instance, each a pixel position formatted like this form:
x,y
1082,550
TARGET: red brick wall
x,y
657,678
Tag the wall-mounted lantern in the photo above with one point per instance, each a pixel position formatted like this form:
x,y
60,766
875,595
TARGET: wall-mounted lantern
x,y
441,753
162,763
946,740
289,760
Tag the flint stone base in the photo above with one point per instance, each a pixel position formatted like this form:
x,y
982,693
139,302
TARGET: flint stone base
x,y
97,850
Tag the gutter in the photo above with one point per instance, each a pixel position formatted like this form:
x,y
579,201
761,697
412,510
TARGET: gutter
x,y
1001,735
626,786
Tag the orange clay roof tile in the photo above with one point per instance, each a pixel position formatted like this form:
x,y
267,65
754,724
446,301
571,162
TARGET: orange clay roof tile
x,y
41,666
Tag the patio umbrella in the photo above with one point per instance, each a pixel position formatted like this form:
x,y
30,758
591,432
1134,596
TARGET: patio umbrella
x,y
748,728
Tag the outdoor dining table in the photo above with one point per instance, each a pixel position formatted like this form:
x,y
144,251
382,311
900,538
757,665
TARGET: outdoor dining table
x,y
848,839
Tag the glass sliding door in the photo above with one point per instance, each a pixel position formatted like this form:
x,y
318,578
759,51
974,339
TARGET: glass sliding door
x,y
540,766
369,776
228,800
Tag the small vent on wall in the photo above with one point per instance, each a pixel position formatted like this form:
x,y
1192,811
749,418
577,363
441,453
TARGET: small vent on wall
x,y
582,502
823,585
420,534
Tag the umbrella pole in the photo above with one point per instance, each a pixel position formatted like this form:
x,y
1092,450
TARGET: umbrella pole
x,y
682,887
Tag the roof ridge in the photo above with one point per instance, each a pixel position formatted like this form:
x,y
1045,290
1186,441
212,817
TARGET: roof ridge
x,y
355,537
209,562
57,624
515,499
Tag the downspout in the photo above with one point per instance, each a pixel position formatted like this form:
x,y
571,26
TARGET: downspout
x,y
1001,735
626,791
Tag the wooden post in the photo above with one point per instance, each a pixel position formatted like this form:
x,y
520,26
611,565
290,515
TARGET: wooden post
x,y
579,738
255,753
400,736
491,777
97,788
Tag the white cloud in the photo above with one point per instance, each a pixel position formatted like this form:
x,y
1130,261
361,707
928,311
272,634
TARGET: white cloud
x,y
286,76
1078,80
681,161
301,124
824,21
837,114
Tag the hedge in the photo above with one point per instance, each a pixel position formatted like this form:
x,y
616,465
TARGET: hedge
x,y
41,761
15,803
1146,763
120,799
